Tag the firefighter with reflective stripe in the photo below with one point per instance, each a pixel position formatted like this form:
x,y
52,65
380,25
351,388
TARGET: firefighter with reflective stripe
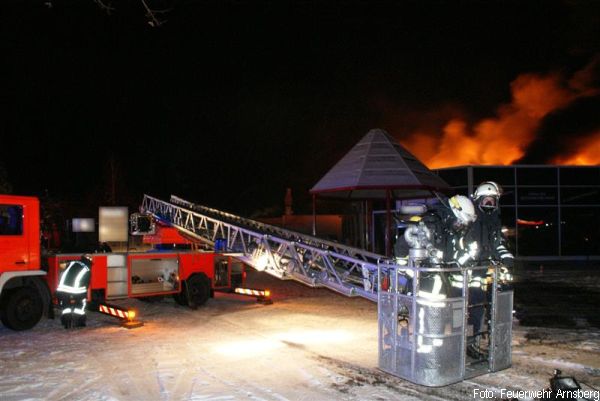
x,y
439,236
72,292
464,251
488,229
450,224
487,232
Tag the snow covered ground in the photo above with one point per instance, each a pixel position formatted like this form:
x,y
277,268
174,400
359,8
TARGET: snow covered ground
x,y
311,344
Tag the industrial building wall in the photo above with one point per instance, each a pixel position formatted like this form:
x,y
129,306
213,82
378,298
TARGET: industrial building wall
x,y
550,212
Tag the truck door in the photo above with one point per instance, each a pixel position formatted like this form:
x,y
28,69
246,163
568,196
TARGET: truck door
x,y
222,272
229,273
14,244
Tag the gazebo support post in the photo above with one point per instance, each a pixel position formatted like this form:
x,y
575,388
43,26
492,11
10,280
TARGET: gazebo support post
x,y
368,227
314,222
388,223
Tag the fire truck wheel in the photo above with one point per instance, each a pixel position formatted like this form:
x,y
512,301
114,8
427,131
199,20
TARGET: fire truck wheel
x,y
198,290
22,309
181,298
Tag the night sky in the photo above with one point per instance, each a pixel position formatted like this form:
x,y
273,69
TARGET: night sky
x,y
228,103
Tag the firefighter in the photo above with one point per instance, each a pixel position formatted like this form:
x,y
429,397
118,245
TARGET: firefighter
x,y
487,232
460,250
449,225
440,234
488,229
445,226
72,292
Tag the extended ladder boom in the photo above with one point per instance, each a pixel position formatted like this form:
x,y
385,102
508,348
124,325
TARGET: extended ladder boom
x,y
282,253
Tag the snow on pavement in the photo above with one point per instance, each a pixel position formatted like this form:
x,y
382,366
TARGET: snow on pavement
x,y
311,344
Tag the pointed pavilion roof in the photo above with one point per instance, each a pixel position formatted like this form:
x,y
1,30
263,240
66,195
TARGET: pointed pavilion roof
x,y
375,165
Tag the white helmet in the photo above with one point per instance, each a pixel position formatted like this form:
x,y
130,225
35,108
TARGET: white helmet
x,y
487,195
463,209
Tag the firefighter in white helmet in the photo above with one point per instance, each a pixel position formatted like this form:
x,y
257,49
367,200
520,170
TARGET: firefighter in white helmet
x,y
464,251
440,235
72,292
449,225
488,230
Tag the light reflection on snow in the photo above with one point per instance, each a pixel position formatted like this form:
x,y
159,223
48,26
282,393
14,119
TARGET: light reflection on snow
x,y
307,337
247,348
251,348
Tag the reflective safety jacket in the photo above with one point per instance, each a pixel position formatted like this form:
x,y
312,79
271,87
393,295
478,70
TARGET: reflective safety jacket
x,y
452,243
77,311
487,231
75,279
464,251
476,279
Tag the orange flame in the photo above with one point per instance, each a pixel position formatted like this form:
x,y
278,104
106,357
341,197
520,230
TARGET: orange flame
x,y
504,138
588,152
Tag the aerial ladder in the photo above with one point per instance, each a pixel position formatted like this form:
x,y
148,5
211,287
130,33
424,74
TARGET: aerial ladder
x,y
285,254
423,340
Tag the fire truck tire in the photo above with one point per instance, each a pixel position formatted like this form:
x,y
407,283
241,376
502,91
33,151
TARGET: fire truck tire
x,y
198,290
22,308
181,297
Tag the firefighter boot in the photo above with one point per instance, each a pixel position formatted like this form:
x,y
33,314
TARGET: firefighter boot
x,y
67,320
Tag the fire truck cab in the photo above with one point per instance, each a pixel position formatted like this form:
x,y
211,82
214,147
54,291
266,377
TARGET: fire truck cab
x,y
24,294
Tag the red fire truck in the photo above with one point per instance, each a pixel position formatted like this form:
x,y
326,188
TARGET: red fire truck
x,y
24,293
191,277
27,283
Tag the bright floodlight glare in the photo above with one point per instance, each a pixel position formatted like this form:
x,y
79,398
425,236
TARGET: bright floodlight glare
x,y
261,262
247,348
82,225
307,337
262,347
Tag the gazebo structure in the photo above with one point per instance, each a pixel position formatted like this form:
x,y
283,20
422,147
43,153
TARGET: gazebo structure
x,y
378,168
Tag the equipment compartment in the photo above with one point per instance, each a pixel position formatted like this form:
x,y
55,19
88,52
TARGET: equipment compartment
x,y
156,275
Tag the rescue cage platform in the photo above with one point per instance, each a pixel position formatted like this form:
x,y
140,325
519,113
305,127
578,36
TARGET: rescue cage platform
x,y
432,340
